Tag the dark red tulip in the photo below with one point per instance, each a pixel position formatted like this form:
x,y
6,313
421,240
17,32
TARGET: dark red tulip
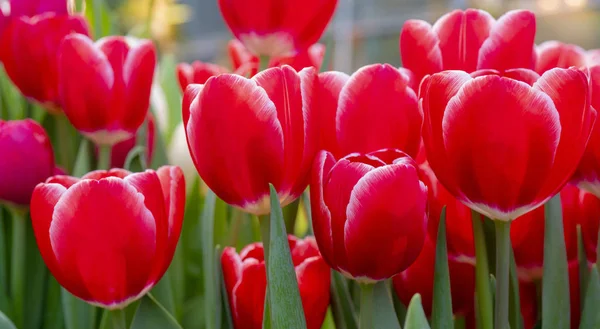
x,y
418,278
27,159
33,66
277,28
378,86
368,213
469,40
110,236
245,280
197,72
31,8
551,54
111,103
484,133
121,150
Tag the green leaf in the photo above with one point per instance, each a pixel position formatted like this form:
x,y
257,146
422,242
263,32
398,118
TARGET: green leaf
x,y
343,307
385,314
53,314
441,312
83,163
172,92
78,314
138,152
555,282
211,288
163,293
151,315
284,295
484,306
5,323
590,317
514,308
36,276
159,155
415,316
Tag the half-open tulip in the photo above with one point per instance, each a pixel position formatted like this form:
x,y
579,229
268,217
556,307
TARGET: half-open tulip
x,y
277,28
109,237
419,277
551,54
26,160
33,65
246,282
368,213
246,133
197,72
469,40
375,109
485,133
583,208
111,103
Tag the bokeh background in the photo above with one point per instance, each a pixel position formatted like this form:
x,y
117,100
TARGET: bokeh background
x,y
362,31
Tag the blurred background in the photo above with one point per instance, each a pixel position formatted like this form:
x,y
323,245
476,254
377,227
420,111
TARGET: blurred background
x,y
362,31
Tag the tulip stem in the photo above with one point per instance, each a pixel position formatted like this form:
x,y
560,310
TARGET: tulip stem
x,y
366,306
263,62
482,275
97,17
265,232
502,273
104,157
17,268
118,319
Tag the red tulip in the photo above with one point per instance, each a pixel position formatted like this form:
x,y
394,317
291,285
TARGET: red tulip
x,y
242,60
527,237
469,40
111,103
574,291
246,282
551,54
311,57
109,237
277,28
35,7
505,144
378,87
327,96
368,213
418,278
583,208
528,299
246,133
197,72
121,150
33,65
459,228
27,159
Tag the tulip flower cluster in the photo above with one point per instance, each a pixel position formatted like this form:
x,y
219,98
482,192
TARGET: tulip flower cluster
x,y
461,190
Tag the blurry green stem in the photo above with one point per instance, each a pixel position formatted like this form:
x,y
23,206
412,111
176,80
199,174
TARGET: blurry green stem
x,y
482,275
18,261
265,232
263,62
64,151
366,306
148,28
104,157
118,319
502,271
97,14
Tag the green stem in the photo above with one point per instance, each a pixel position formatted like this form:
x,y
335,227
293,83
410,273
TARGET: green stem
x,y
104,157
460,322
482,275
17,268
263,62
64,150
366,319
502,271
118,319
97,15
265,232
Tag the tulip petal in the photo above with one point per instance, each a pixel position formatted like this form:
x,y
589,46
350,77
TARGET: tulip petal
x,y
503,135
104,236
249,295
173,187
314,279
551,54
99,174
232,270
36,7
138,74
383,235
568,89
321,216
64,180
461,34
380,89
511,42
326,100
233,120
419,48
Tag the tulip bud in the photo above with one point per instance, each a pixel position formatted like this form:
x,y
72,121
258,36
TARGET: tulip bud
x,y
283,28
26,160
244,134
105,87
246,283
197,72
110,236
368,213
